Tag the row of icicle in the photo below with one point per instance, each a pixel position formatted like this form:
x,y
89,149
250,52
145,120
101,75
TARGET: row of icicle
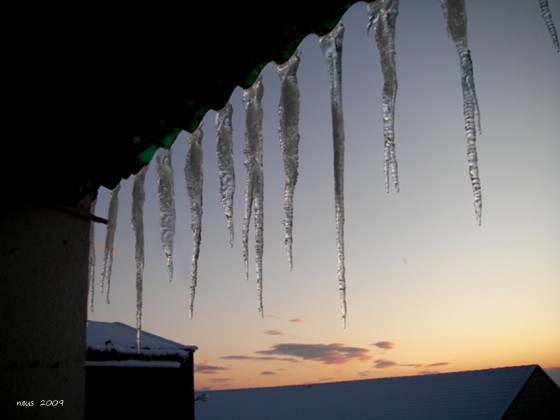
x,y
382,15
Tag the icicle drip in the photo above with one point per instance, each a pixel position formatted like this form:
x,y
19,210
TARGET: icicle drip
x,y
456,18
382,15
545,12
91,259
110,241
288,133
331,45
254,191
137,223
194,180
166,195
224,157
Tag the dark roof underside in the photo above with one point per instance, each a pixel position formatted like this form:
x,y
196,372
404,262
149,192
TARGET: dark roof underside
x,y
99,91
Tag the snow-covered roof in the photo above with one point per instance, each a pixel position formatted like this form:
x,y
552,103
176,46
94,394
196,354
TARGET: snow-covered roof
x,y
135,363
121,338
481,394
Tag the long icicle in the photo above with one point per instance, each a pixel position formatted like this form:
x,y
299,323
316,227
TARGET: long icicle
x,y
545,12
91,259
456,18
382,15
331,45
194,180
166,196
137,223
224,158
288,133
254,191
110,241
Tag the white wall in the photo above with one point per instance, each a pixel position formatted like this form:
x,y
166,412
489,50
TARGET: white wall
x,y
43,310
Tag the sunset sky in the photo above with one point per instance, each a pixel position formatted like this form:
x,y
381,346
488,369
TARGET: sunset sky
x,y
428,289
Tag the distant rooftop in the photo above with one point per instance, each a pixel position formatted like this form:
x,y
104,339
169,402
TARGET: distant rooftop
x,y
481,394
119,338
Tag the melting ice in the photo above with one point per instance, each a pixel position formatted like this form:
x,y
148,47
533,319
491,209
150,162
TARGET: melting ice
x,y
194,179
166,191
91,259
382,16
545,12
224,158
288,134
456,18
254,190
110,240
331,45
137,223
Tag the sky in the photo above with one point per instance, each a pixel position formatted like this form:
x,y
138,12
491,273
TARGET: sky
x,y
428,290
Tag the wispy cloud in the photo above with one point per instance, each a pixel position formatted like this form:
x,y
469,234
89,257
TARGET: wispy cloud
x,y
297,320
268,373
220,380
207,369
414,365
274,332
384,363
335,353
430,371
385,345
264,358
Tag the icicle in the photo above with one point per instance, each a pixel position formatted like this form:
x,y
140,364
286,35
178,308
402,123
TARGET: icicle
x,y
166,195
382,15
288,133
194,181
456,18
254,191
331,45
137,223
545,12
91,259
110,241
224,157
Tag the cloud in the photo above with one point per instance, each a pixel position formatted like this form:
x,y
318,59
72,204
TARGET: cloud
x,y
274,332
268,373
329,354
384,363
207,369
268,358
414,365
385,345
297,320
220,380
429,371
